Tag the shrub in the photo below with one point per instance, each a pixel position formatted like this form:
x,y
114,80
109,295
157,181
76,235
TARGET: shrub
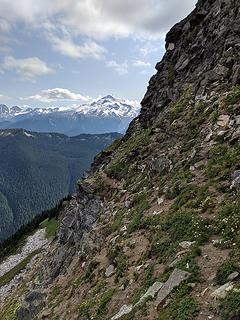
x,y
186,309
185,225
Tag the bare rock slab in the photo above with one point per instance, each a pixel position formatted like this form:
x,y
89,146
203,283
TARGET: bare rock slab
x,y
222,291
125,309
173,281
151,293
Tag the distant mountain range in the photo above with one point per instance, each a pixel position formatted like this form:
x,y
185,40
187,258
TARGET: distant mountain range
x,y
39,169
107,114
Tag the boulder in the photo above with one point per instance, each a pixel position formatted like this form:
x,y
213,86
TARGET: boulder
x,y
171,47
175,279
125,309
109,271
233,276
222,291
223,120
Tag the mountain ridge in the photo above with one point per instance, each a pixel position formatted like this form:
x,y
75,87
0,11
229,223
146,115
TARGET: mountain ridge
x,y
107,114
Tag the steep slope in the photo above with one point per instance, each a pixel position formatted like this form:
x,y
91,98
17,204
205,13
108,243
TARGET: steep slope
x,y
153,232
107,114
37,170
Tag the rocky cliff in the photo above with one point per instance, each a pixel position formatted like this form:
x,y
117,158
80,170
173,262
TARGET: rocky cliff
x,y
154,231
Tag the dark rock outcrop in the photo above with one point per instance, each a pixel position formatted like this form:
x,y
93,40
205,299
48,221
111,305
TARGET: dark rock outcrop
x,y
202,51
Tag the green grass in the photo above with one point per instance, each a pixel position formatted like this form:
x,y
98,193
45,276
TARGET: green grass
x,y
224,271
230,306
7,277
102,307
9,310
186,309
51,227
222,161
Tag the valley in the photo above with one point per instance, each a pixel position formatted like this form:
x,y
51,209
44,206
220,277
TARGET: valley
x,y
39,169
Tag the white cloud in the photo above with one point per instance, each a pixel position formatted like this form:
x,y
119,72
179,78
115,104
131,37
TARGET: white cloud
x,y
3,96
57,94
100,19
120,68
67,47
141,64
27,68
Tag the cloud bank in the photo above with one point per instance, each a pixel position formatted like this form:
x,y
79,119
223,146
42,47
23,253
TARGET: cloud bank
x,y
27,68
63,22
99,18
57,94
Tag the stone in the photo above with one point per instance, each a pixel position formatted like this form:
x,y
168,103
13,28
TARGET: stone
x,y
223,120
171,47
151,292
160,200
175,279
233,276
125,309
222,291
123,229
209,136
235,180
138,268
186,244
109,271
222,133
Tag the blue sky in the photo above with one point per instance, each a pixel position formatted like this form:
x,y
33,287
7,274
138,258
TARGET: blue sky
x,y
59,52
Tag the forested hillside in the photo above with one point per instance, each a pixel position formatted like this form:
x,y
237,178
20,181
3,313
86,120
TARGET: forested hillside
x,y
37,170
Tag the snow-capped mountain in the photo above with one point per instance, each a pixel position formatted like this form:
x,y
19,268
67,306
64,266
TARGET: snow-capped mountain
x,y
106,114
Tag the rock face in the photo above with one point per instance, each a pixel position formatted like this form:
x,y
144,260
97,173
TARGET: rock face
x,y
75,232
202,50
79,217
33,303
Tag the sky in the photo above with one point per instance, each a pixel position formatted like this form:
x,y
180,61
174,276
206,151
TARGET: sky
x,y
60,52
